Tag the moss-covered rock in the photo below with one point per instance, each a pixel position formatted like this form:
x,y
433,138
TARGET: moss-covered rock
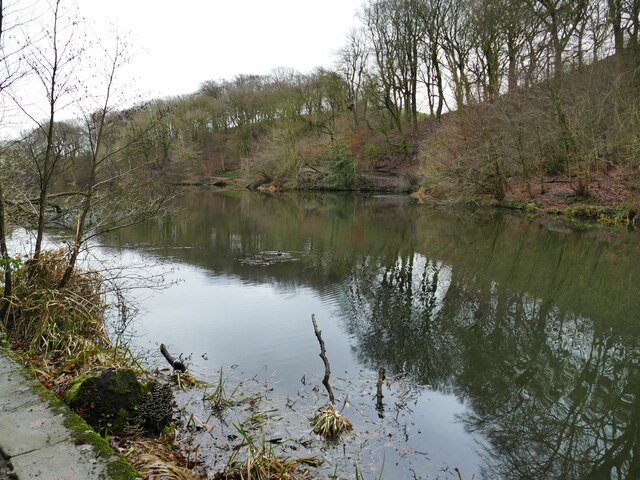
x,y
115,401
107,400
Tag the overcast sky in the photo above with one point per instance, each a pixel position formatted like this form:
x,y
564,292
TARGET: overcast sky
x,y
179,45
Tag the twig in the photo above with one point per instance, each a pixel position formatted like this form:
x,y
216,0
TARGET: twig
x,y
323,356
176,364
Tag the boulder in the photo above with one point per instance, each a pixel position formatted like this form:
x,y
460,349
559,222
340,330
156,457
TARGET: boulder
x,y
115,401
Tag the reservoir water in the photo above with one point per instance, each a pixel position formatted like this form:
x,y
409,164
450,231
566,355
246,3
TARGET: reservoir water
x,y
511,347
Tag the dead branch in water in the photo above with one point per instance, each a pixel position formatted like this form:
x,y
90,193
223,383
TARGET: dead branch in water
x,y
176,364
323,356
379,396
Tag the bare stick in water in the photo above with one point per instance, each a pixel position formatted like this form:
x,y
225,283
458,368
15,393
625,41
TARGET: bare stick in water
x,y
379,396
176,364
323,356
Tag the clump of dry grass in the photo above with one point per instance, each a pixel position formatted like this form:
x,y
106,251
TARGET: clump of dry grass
x,y
185,381
262,463
152,466
159,458
50,319
271,188
329,423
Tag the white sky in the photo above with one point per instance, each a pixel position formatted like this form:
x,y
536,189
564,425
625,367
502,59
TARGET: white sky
x,y
179,45
176,46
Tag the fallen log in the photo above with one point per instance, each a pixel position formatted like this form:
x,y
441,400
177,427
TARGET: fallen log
x,y
176,364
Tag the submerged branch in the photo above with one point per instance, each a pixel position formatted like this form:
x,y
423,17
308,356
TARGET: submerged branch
x,y
379,395
176,364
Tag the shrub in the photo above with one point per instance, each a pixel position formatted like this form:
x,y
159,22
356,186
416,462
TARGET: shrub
x,y
341,167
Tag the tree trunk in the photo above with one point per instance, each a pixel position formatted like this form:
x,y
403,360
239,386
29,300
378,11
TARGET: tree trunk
x,y
436,66
635,20
45,176
4,254
78,236
49,164
615,17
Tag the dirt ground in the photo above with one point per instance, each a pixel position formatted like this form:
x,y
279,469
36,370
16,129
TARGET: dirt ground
x,y
608,189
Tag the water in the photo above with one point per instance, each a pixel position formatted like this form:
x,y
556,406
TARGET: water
x,y
511,347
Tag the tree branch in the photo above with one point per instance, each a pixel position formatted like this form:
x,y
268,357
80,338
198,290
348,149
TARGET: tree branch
x,y
323,356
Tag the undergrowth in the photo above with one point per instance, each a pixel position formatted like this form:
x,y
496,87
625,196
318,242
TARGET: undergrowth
x,y
623,215
60,332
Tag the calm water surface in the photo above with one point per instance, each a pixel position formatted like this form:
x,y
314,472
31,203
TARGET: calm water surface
x,y
511,348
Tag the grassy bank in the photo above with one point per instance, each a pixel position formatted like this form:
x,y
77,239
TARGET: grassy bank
x,y
60,336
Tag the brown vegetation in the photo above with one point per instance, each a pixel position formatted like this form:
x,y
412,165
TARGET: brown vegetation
x,y
567,140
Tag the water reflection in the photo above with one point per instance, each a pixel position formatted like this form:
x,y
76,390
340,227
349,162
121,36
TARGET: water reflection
x,y
534,329
555,395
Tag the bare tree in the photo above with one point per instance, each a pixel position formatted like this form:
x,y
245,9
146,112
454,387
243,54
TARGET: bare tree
x,y
115,194
561,19
353,60
396,31
457,44
615,17
432,15
54,58
11,70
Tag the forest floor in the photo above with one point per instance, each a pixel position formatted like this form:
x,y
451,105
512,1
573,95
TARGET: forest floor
x,y
608,189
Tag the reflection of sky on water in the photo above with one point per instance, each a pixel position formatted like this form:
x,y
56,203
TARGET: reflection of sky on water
x,y
256,326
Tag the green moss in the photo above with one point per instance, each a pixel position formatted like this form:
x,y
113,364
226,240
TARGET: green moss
x,y
527,206
117,467
622,215
72,392
107,400
232,174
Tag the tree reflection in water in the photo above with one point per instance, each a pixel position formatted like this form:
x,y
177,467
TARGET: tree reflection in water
x,y
555,396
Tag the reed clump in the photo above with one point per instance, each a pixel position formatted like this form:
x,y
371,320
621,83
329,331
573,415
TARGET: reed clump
x,y
153,466
164,457
261,463
50,319
329,423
